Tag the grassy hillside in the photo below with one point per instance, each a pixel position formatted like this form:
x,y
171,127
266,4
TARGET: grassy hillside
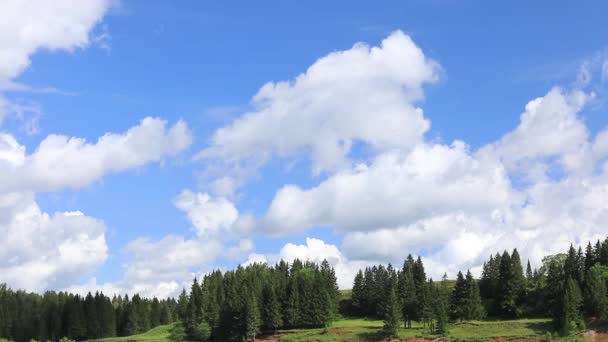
x,y
365,330
350,330
158,334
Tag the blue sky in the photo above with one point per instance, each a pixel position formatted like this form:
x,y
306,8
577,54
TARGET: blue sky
x,y
202,62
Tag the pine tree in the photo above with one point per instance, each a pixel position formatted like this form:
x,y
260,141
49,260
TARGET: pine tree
x,y
571,311
474,307
440,307
252,318
506,287
392,315
271,310
529,274
358,294
590,258
458,301
596,300
182,306
407,292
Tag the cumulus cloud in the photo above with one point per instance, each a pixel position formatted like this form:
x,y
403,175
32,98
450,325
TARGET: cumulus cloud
x,y
61,161
39,250
365,94
207,214
549,127
455,206
396,188
27,26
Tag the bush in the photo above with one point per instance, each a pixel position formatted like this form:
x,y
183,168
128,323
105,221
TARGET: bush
x,y
177,333
202,332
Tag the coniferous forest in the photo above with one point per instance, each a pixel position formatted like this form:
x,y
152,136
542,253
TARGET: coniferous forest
x,y
236,305
569,288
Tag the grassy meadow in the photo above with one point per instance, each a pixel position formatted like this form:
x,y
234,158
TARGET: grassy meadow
x,y
371,330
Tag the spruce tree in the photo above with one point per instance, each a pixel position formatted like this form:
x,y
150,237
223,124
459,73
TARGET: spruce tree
x,y
458,301
252,318
474,307
596,300
590,258
392,315
271,310
572,319
506,287
358,294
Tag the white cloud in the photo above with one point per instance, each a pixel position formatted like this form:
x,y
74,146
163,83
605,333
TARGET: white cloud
x,y
365,94
158,268
27,26
209,215
549,127
61,161
395,189
455,206
40,251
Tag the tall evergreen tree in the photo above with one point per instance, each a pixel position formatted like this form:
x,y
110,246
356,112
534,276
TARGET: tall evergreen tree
x,y
571,312
392,315
596,300
507,287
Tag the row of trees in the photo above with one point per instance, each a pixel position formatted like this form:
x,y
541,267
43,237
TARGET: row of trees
x,y
407,295
25,316
241,303
567,287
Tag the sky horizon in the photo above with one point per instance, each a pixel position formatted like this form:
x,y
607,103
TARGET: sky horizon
x,y
145,143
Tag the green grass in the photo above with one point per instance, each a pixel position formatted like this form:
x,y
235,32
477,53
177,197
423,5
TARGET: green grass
x,y
359,329
363,329
158,334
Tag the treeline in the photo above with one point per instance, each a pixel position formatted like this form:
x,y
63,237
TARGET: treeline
x,y
25,316
406,295
568,287
241,303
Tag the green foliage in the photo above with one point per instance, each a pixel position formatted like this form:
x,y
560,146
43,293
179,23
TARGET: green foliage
x,y
54,315
393,314
202,332
572,319
596,300
177,333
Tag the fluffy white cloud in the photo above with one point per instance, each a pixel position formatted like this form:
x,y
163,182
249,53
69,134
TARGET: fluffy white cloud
x,y
549,127
209,215
365,94
39,250
61,161
397,188
455,206
29,25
